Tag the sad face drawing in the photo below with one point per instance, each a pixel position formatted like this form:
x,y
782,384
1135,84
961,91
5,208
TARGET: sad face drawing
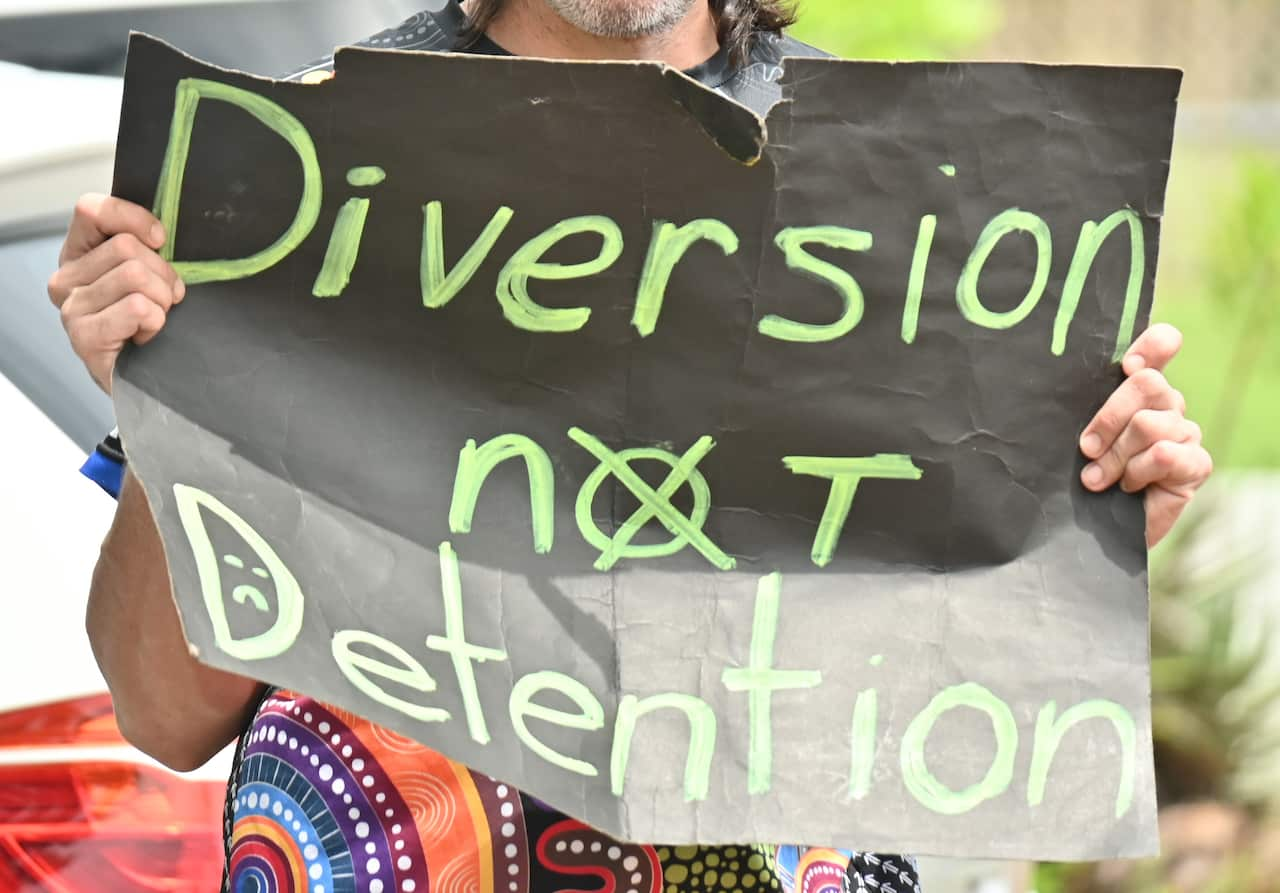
x,y
247,577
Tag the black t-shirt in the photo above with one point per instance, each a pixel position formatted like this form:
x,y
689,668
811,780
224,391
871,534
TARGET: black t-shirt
x,y
755,85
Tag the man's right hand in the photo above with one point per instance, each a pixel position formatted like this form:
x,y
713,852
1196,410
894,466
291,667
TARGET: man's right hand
x,y
111,286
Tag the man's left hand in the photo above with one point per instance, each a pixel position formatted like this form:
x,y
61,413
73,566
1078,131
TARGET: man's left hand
x,y
1142,439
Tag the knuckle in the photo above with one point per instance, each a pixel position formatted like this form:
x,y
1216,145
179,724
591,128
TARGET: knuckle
x,y
125,247
1164,454
1179,400
88,206
134,273
138,305
1194,432
1149,382
55,288
1148,422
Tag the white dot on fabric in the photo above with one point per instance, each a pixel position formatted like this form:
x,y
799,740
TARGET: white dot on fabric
x,y
596,847
326,772
371,848
324,728
381,797
511,850
307,718
399,844
576,847
507,810
637,878
375,886
408,886
353,813
319,888
362,830
271,733
357,765
339,786
302,837
288,815
513,887
368,782
315,760
389,813
513,870
395,829
502,790
293,743
335,740
403,863
508,829
630,863
253,800
346,750
373,865
310,851
560,846
614,852
316,872
277,808
346,798
305,750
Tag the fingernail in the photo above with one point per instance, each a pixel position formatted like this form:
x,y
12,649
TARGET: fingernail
x,y
1092,475
1091,444
157,235
179,291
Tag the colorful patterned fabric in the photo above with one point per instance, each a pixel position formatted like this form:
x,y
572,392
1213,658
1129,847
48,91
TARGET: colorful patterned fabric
x,y
325,802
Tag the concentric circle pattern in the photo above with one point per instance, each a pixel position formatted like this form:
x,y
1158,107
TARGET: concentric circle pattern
x,y
325,802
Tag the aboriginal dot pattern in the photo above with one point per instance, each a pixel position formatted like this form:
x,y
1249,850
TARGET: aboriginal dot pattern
x,y
324,802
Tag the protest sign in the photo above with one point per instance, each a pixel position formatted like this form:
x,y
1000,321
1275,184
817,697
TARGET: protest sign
x,y
713,479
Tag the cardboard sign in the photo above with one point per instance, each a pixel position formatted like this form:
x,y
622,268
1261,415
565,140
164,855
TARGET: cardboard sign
x,y
712,479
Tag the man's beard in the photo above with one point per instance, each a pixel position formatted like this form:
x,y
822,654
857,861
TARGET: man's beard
x,y
622,18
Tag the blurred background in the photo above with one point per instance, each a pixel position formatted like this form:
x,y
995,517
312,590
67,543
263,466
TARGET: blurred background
x,y
1215,583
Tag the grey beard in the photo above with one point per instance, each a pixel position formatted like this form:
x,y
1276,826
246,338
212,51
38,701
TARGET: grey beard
x,y
622,18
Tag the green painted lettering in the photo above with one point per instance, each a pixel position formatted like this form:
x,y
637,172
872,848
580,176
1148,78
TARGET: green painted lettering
x,y
169,188
476,463
513,282
792,242
405,670
439,287
1012,220
845,475
454,643
1092,235
589,718
862,745
915,285
192,503
702,740
760,680
654,504
668,246
344,247
1049,735
932,793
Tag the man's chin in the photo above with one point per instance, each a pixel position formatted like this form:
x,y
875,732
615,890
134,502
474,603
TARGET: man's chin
x,y
622,19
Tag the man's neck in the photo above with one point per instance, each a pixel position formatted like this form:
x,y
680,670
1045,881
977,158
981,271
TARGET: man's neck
x,y
532,28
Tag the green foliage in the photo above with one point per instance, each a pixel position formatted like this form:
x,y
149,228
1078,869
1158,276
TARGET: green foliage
x,y
1224,216
897,29
1210,688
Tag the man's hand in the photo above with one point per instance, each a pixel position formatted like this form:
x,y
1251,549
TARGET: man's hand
x,y
111,285
1142,439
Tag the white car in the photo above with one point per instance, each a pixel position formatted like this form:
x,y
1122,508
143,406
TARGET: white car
x,y
80,809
